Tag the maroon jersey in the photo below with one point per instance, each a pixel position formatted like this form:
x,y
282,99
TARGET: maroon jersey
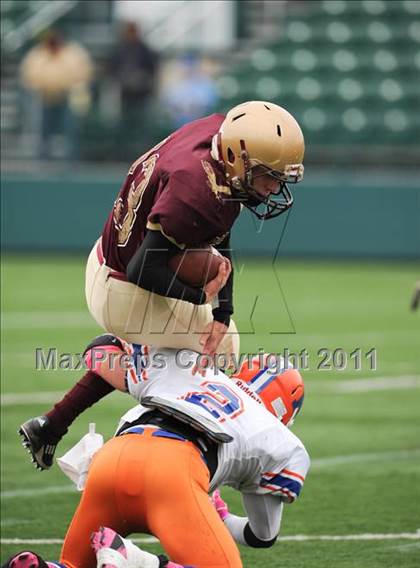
x,y
177,188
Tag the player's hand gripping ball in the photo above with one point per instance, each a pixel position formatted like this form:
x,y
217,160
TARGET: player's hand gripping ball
x,y
197,267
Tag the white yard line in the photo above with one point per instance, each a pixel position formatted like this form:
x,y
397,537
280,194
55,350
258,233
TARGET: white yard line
x,y
323,463
25,398
317,464
365,536
405,382
39,319
357,337
377,384
38,491
364,384
11,522
30,541
290,538
48,319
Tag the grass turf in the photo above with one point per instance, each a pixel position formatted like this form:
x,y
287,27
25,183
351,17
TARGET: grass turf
x,y
295,305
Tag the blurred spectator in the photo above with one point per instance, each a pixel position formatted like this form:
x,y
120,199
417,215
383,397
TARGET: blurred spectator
x,y
194,95
59,73
134,66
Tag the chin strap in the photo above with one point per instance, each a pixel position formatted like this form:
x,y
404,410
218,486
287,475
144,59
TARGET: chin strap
x,y
273,208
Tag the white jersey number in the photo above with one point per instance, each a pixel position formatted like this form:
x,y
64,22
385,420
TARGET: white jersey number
x,y
218,399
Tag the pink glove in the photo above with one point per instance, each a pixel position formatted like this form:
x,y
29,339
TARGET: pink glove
x,y
219,504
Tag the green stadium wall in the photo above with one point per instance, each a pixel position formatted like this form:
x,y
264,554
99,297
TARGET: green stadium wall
x,y
375,214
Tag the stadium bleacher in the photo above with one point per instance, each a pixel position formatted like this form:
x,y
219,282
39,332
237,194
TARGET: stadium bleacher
x,y
348,70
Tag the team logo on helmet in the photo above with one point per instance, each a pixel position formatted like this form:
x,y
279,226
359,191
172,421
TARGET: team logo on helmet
x,y
281,392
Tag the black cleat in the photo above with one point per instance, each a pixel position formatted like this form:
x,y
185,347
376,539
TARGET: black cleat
x,y
40,442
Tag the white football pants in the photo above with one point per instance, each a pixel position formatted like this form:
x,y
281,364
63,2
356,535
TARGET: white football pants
x,y
145,318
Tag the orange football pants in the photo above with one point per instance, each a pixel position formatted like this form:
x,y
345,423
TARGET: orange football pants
x,y
143,483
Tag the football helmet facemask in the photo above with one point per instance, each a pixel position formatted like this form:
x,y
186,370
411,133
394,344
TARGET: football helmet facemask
x,y
281,392
264,137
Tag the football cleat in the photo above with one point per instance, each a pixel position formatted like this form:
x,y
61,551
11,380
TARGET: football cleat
x,y
39,440
281,392
25,559
114,551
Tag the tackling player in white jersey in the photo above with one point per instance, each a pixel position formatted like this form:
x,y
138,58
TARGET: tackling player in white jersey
x,y
186,438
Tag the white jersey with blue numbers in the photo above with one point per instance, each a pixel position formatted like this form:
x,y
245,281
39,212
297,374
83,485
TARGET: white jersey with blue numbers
x,y
263,457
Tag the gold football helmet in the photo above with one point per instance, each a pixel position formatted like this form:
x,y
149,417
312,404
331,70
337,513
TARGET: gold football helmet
x,y
259,136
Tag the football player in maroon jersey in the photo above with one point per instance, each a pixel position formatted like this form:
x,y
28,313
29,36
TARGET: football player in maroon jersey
x,y
185,192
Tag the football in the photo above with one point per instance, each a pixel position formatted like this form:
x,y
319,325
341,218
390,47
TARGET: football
x,y
196,267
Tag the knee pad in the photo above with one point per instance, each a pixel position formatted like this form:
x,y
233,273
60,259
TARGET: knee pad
x,y
97,349
107,339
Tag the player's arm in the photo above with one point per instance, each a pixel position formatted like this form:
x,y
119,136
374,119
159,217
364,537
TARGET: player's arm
x,y
264,508
262,525
224,300
222,310
149,270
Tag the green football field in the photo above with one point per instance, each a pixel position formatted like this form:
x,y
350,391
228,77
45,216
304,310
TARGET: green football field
x,y
360,346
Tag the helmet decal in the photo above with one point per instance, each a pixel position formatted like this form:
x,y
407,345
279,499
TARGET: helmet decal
x,y
281,391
